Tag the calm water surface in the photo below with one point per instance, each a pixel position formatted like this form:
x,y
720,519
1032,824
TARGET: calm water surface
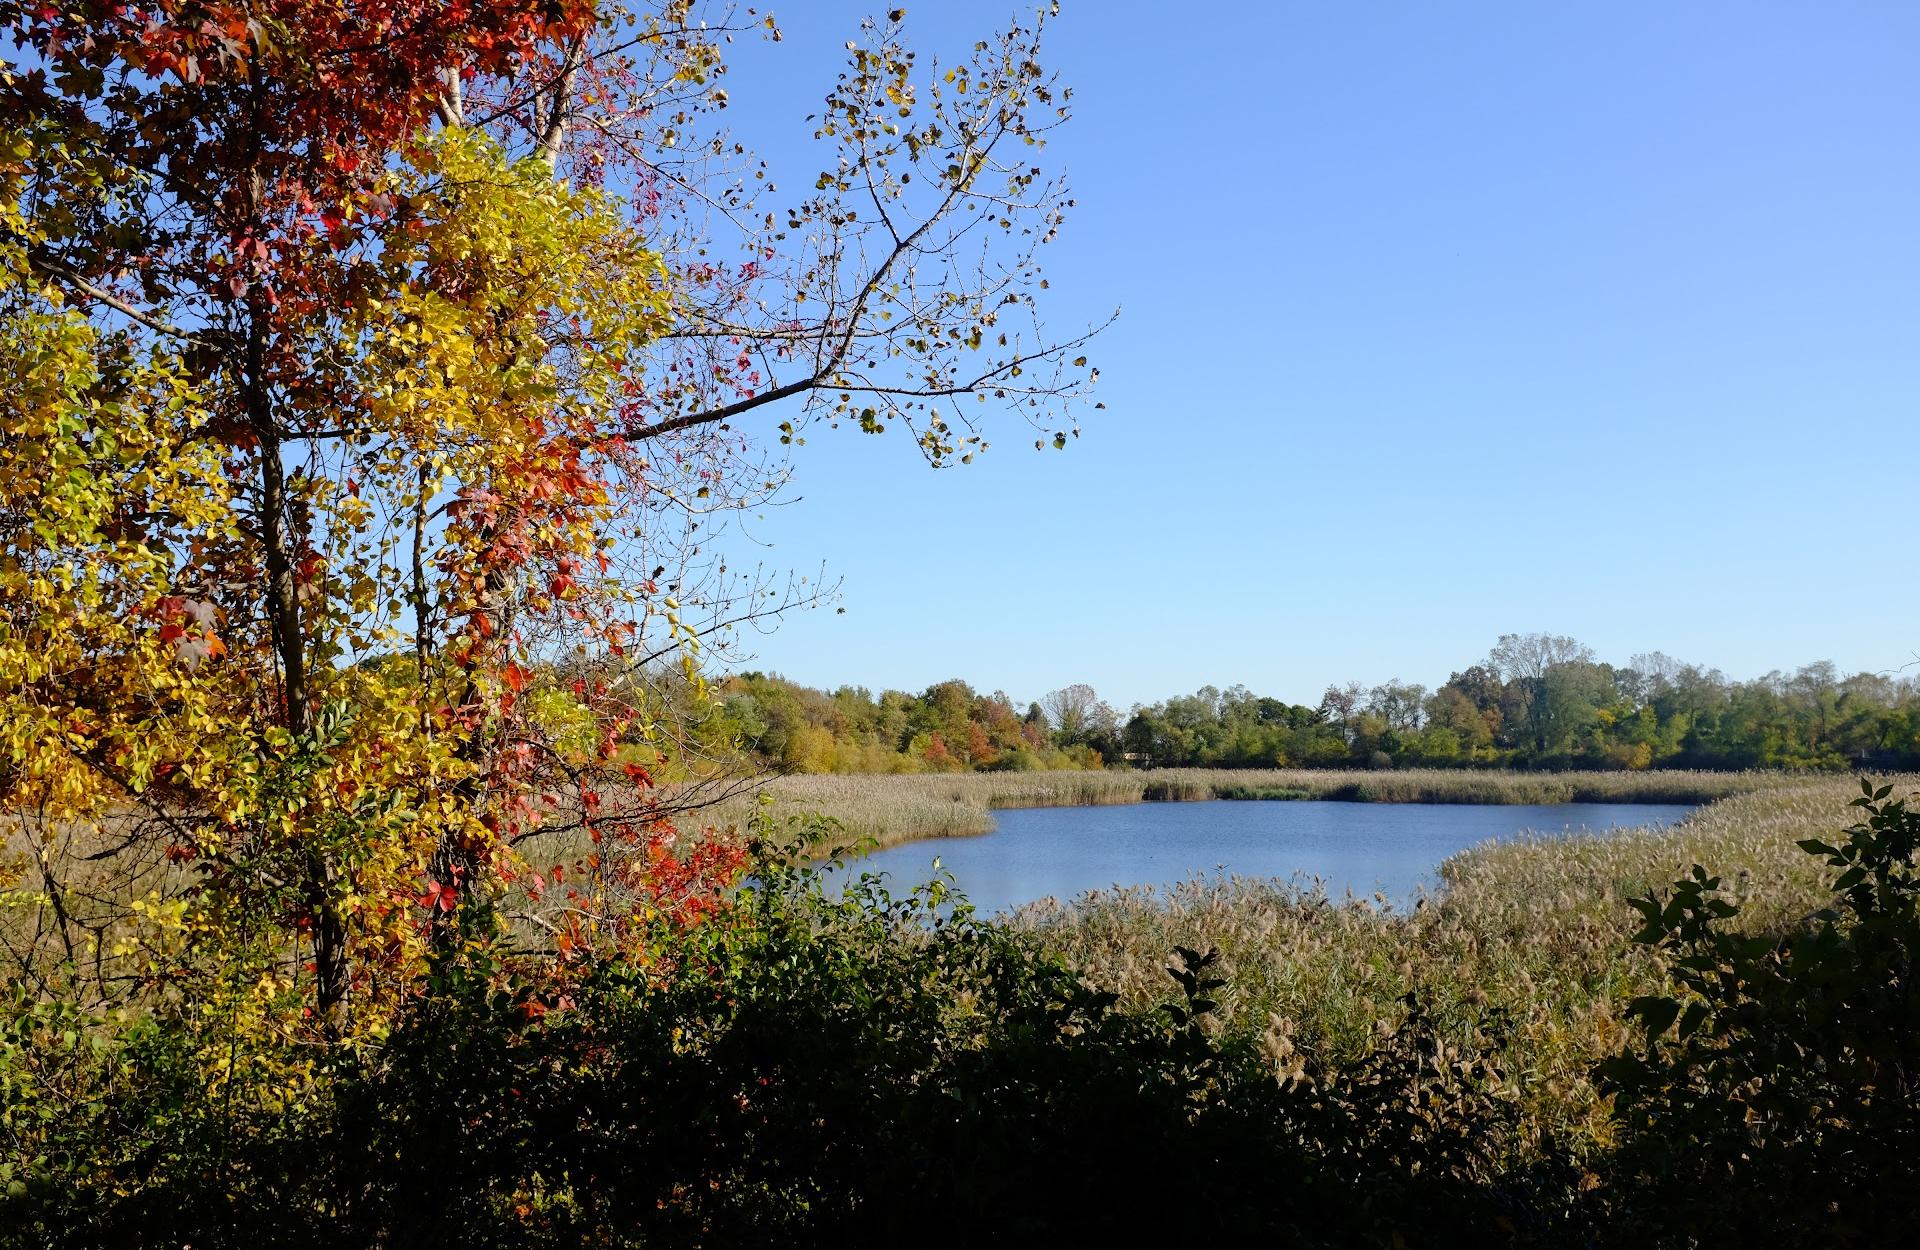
x,y
1393,848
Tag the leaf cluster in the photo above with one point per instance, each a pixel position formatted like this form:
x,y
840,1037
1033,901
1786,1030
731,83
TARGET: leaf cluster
x,y
1779,1080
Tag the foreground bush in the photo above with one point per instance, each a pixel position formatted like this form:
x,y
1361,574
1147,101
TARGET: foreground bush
x,y
810,1066
1778,1091
860,1069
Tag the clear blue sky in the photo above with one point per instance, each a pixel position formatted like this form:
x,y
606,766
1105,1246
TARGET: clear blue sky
x,y
1438,322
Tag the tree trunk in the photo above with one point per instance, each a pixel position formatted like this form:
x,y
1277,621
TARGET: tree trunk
x,y
282,546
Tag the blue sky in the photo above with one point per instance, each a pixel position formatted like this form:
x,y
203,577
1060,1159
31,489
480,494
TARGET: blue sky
x,y
1438,322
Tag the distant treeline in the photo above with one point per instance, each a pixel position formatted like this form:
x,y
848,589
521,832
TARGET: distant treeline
x,y
1537,701
946,728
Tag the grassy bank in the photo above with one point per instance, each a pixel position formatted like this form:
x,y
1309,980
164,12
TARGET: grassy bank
x,y
905,808
1538,930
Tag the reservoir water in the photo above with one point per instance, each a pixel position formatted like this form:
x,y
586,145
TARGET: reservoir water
x,y
1389,848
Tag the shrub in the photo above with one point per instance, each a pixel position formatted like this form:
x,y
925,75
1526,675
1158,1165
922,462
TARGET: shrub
x,y
850,1069
810,1067
1778,1092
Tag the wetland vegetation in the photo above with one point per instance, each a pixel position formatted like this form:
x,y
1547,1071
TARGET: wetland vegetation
x,y
1540,930
381,386
1233,1058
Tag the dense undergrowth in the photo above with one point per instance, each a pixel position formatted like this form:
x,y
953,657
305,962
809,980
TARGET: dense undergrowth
x,y
804,1069
1510,1064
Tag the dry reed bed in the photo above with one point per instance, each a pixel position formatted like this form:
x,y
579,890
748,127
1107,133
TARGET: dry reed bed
x,y
65,890
1538,929
893,808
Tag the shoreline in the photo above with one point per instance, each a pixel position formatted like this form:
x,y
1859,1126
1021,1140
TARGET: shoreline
x,y
891,809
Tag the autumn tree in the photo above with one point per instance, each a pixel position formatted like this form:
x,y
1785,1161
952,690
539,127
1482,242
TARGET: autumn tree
x,y
1452,708
376,377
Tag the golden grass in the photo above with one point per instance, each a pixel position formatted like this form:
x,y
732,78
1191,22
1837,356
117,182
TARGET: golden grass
x,y
66,889
1538,929
889,809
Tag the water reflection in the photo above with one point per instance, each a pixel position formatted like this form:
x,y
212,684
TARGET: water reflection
x,y
1392,849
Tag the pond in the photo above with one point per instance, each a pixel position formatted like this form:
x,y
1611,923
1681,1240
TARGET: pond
x,y
1392,848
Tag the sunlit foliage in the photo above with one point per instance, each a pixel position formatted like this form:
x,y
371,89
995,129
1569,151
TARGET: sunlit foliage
x,y
373,381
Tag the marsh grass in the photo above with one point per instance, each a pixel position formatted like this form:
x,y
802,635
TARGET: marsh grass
x,y
1532,932
1535,930
887,809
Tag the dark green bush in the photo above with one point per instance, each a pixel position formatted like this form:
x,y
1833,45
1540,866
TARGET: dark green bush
x,y
1778,1093
866,1070
812,1067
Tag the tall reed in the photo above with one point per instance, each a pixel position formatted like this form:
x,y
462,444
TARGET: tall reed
x,y
1535,930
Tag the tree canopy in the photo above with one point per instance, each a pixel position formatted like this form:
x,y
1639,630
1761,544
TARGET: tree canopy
x,y
375,380
1539,703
